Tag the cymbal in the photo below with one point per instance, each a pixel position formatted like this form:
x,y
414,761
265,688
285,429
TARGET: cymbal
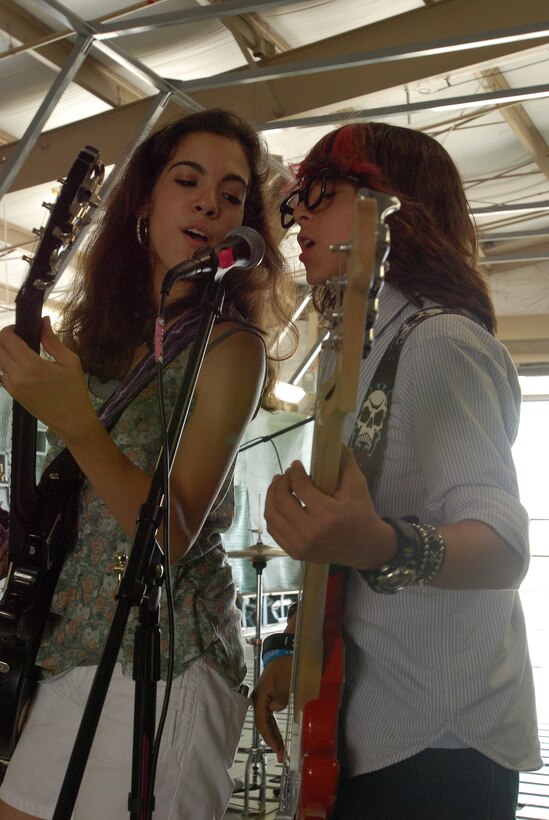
x,y
258,552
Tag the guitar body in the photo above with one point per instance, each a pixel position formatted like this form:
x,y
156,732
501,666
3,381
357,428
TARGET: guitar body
x,y
320,765
18,673
39,533
18,685
311,770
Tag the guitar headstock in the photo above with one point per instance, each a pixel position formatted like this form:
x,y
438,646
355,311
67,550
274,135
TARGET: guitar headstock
x,y
69,215
351,334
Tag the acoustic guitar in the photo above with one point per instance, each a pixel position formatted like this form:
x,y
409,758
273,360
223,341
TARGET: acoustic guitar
x,y
37,542
311,770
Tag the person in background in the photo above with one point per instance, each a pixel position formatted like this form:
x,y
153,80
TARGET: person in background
x,y
437,713
184,188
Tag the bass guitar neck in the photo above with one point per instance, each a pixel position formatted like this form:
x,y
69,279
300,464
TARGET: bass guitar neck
x,y
311,768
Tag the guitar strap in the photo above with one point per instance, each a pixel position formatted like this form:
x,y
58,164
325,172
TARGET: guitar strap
x,y
369,438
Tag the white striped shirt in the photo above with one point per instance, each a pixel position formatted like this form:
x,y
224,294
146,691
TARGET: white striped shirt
x,y
426,667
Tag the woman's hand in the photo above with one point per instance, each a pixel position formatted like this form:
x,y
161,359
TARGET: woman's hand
x,y
227,394
271,694
312,526
52,391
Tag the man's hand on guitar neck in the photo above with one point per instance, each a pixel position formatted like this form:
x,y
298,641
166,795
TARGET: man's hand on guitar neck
x,y
270,695
340,529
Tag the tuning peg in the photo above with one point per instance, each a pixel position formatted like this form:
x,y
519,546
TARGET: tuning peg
x,y
62,180
41,284
29,259
49,206
39,232
341,247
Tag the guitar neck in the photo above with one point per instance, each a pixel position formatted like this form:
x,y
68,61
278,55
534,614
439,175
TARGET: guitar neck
x,y
337,398
309,638
23,440
311,769
23,471
68,216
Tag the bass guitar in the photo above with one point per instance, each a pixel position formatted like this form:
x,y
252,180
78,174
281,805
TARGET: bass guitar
x,y
37,544
311,771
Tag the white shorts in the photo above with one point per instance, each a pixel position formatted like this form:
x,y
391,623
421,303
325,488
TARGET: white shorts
x,y
200,740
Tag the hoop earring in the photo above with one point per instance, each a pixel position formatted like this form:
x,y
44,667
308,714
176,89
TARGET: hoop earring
x,y
142,230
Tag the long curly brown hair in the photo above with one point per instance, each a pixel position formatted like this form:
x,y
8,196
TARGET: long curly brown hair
x,y
112,298
433,241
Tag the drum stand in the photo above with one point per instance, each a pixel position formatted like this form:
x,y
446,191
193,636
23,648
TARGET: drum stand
x,y
255,774
255,764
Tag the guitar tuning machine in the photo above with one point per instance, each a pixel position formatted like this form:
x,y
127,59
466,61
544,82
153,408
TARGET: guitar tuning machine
x,y
49,206
341,247
41,284
63,236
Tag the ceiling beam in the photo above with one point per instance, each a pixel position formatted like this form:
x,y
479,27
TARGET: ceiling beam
x,y
85,30
519,121
113,133
254,37
14,238
362,58
527,257
526,336
93,76
110,132
210,11
459,19
449,19
507,236
510,244
8,295
489,101
6,137
286,97
537,207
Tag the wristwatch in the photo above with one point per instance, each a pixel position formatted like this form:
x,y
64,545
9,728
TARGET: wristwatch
x,y
278,640
401,570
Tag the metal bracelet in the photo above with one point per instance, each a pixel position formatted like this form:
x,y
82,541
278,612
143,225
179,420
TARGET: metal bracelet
x,y
434,552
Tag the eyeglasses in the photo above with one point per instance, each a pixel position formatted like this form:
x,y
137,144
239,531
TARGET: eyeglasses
x,y
312,194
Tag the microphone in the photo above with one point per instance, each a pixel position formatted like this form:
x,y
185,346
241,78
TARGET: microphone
x,y
241,248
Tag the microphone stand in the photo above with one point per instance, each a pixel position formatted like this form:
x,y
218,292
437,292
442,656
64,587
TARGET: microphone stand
x,y
140,586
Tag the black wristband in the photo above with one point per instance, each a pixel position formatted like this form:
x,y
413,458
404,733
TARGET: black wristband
x,y
402,569
278,640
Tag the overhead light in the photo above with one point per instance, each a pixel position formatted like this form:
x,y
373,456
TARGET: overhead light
x,y
289,393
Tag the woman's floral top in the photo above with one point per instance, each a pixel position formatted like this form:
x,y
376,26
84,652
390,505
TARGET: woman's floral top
x,y
207,621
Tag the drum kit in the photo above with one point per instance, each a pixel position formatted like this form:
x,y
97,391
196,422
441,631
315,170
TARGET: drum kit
x,y
259,553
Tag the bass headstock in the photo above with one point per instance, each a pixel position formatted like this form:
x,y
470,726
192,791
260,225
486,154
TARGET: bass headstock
x,y
352,319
